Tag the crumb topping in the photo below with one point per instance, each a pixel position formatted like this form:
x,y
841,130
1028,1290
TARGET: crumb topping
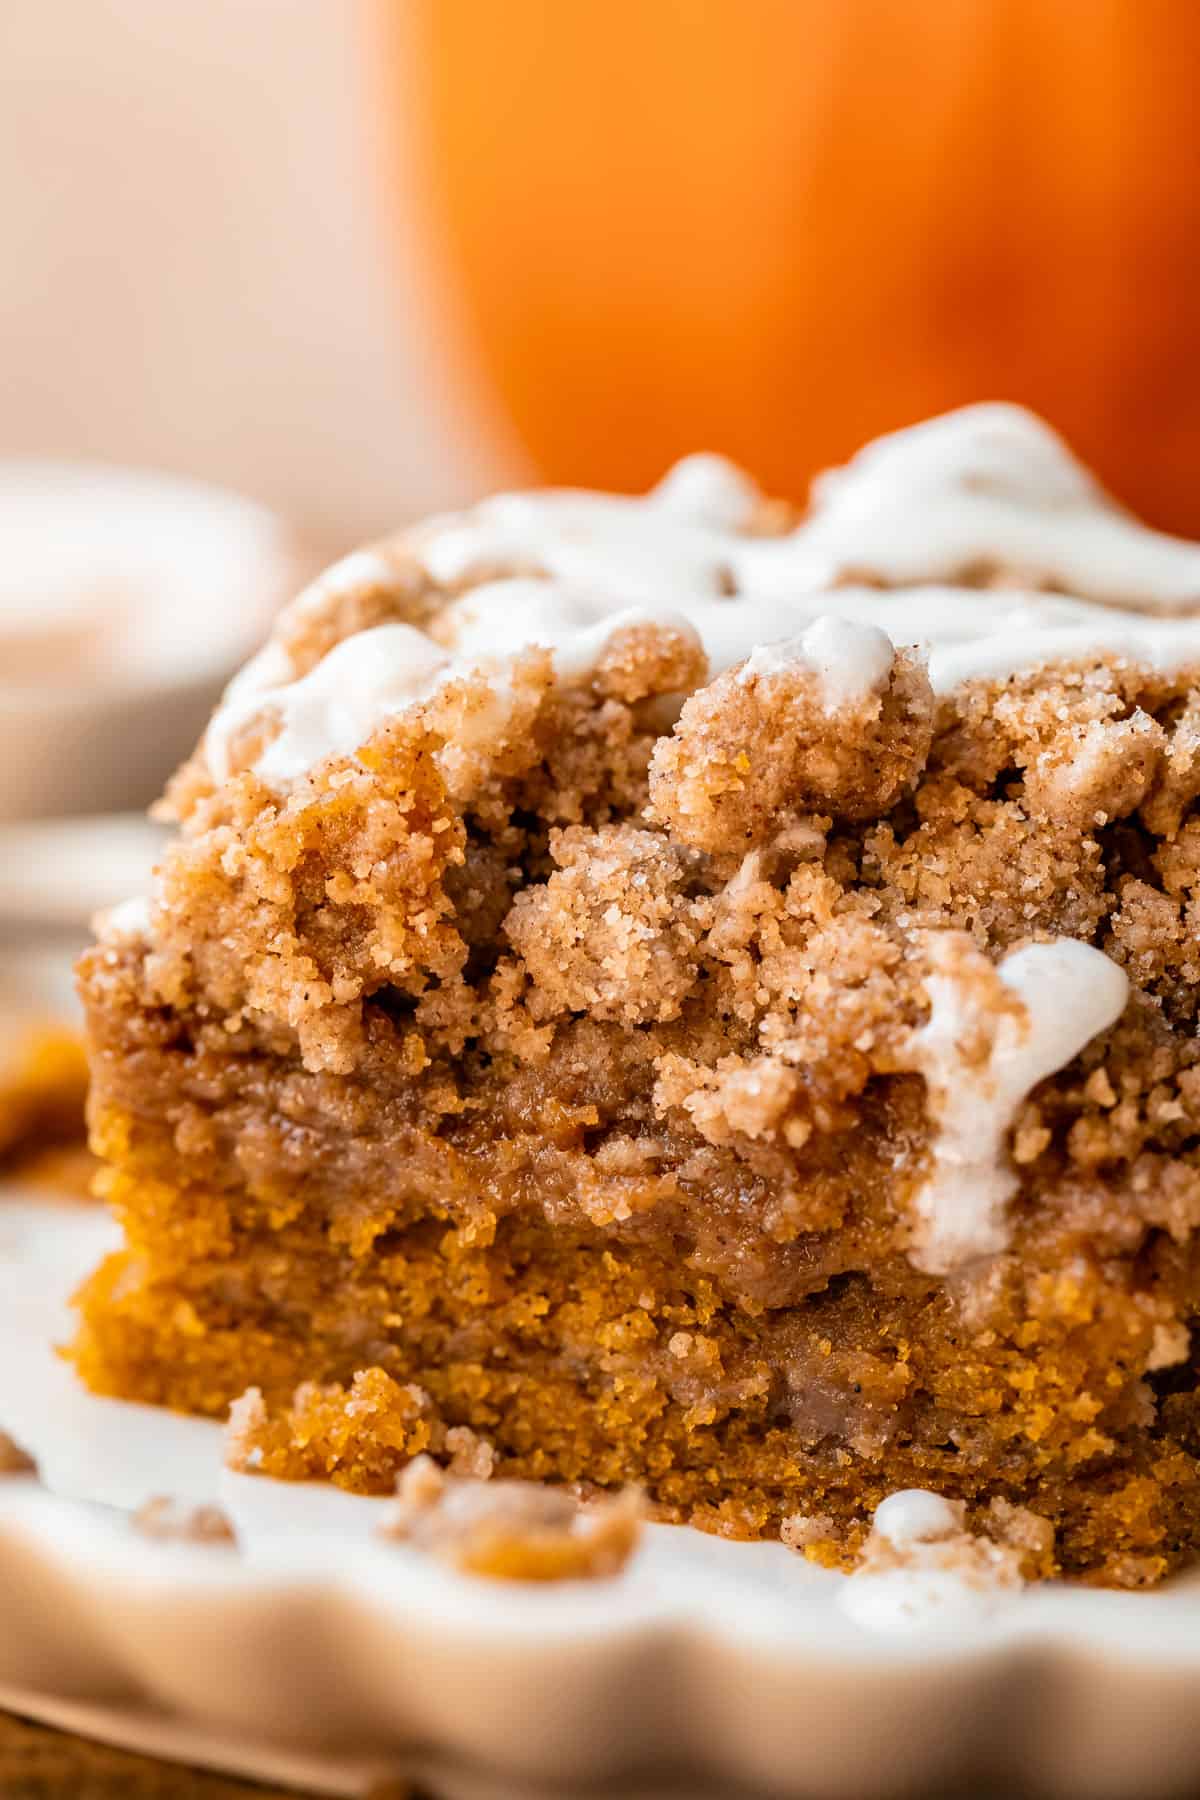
x,y
769,742
615,928
786,901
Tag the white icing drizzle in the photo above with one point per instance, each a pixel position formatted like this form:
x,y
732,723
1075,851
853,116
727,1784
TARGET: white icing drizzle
x,y
916,1516
849,660
369,678
128,919
992,487
385,668
989,487
638,548
985,488
361,682
493,623
923,1571
709,490
363,568
1069,993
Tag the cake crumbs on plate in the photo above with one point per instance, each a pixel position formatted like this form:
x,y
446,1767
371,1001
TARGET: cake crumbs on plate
x,y
814,1536
43,1086
512,1530
923,1568
13,1459
247,1418
470,1455
168,1519
917,1530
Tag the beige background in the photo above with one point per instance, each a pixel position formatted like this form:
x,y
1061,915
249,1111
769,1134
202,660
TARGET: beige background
x,y
202,266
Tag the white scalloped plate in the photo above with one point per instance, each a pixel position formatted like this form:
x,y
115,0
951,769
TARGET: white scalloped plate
x,y
318,1653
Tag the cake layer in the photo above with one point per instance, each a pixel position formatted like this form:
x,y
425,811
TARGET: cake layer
x,y
383,1280
598,1357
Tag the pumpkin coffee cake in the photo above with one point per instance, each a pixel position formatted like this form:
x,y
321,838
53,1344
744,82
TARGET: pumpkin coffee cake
x,y
675,991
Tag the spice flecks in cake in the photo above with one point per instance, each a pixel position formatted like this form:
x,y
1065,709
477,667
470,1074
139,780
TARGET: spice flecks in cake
x,y
793,730
808,1534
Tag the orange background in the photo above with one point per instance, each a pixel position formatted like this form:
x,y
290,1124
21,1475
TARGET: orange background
x,y
777,227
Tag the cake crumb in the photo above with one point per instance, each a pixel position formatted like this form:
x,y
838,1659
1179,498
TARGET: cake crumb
x,y
1026,1532
43,1086
613,929
1170,1346
14,1460
166,1518
811,1535
243,1431
760,742
511,1530
471,1456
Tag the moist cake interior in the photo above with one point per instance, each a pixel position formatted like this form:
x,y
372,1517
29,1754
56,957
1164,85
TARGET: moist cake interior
x,y
680,992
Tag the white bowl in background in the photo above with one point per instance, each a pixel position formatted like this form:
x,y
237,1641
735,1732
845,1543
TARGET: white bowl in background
x,y
127,599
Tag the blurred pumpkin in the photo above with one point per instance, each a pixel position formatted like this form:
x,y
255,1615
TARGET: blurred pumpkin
x,y
777,227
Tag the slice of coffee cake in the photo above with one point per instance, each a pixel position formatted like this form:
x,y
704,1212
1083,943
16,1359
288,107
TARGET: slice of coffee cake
x,y
657,990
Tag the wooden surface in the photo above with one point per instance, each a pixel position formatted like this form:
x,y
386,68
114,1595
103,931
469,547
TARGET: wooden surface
x,y
39,1764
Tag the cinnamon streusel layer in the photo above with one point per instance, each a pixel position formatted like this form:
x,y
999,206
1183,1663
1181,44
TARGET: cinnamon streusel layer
x,y
662,989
